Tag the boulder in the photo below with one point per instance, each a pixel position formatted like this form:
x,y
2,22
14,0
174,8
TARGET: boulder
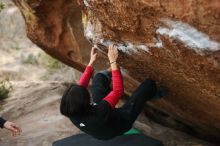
x,y
176,43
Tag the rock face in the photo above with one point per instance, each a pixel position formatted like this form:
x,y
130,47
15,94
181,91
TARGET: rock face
x,y
174,42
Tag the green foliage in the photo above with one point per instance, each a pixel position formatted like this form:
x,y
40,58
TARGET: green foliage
x,y
5,88
50,62
2,6
29,59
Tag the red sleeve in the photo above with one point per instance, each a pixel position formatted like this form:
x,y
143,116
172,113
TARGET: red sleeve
x,y
87,74
118,89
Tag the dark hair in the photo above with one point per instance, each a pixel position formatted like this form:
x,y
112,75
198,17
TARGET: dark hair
x,y
75,101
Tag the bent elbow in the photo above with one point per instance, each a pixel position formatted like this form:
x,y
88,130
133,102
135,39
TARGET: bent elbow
x,y
121,93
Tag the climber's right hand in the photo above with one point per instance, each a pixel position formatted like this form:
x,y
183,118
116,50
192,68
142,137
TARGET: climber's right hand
x,y
112,53
93,56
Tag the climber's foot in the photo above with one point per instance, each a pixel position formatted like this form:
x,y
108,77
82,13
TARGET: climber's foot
x,y
161,92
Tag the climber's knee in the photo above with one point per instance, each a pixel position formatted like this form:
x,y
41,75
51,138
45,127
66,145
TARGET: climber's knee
x,y
149,87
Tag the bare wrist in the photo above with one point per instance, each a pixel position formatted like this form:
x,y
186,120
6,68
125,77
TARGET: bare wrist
x,y
90,63
111,62
114,66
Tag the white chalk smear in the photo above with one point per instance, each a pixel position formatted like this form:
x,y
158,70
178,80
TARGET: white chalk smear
x,y
86,3
88,31
189,35
126,47
158,44
94,33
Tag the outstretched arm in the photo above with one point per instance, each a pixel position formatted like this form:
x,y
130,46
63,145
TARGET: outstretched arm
x,y
118,89
12,127
87,74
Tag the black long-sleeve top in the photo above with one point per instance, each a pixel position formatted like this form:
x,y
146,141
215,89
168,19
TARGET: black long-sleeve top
x,y
2,122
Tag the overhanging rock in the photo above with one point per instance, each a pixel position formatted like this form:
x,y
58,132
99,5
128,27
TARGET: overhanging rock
x,y
177,43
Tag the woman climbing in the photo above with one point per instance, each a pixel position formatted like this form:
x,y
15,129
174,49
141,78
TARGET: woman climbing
x,y
100,118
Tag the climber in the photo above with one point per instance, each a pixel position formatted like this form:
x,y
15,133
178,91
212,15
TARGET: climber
x,y
14,128
100,118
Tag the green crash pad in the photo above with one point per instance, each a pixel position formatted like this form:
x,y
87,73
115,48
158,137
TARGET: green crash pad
x,y
132,131
130,138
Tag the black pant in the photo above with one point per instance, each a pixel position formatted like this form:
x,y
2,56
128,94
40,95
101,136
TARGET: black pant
x,y
129,112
